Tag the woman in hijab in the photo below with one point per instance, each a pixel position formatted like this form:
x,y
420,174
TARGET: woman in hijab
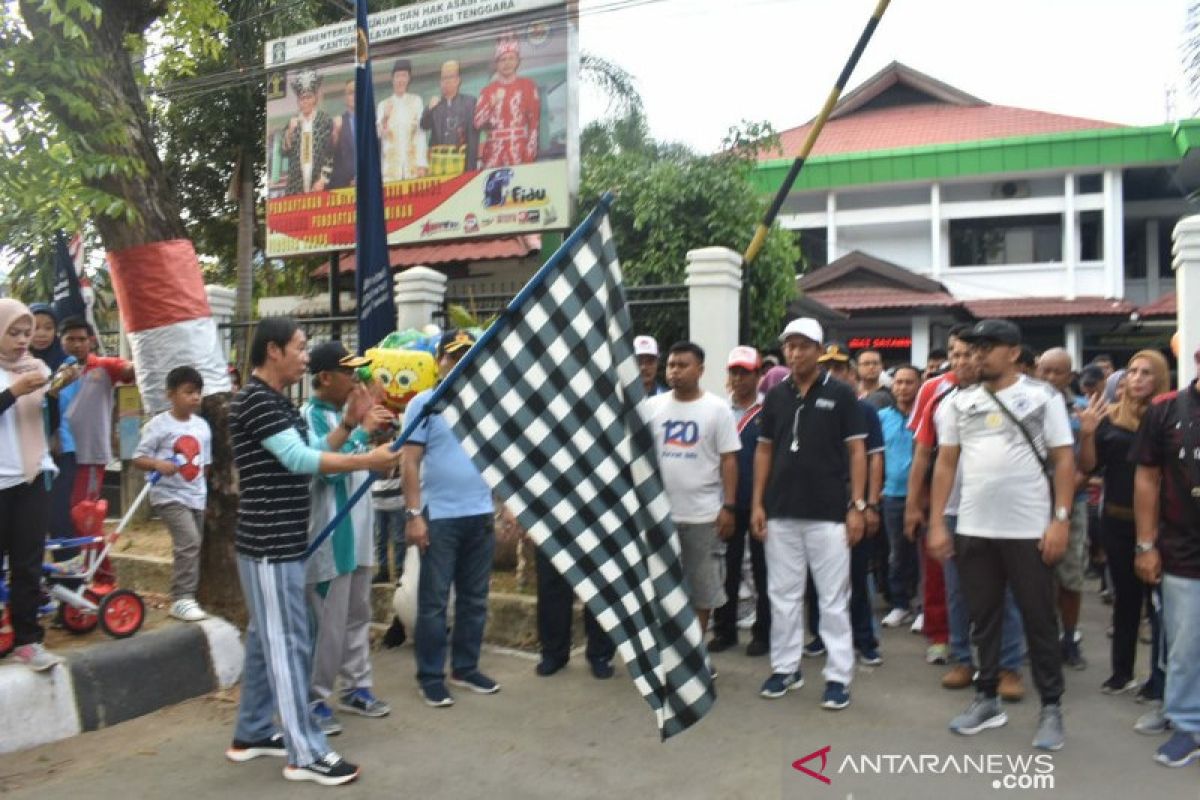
x,y
26,472
45,344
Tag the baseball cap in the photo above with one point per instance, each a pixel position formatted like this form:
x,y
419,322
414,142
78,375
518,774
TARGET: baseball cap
x,y
454,341
645,346
834,351
744,357
993,330
807,327
333,355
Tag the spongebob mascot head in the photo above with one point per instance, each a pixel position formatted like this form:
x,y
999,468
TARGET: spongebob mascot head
x,y
401,367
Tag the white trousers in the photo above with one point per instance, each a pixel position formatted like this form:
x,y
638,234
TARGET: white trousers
x,y
793,547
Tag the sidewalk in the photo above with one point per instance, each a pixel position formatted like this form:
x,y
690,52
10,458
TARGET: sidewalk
x,y
570,736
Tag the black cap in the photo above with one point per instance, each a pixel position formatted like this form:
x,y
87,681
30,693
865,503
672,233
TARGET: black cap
x,y
455,342
332,355
993,330
836,352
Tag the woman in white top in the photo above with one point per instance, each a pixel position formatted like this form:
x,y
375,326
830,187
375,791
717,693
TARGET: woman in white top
x,y
26,472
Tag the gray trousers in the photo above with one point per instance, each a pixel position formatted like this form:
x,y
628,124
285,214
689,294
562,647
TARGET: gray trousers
x,y
186,526
343,619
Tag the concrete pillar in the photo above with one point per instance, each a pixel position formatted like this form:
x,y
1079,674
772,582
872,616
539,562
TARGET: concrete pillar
x,y
936,255
1073,343
831,248
1070,242
1187,293
1114,234
920,339
420,294
222,300
714,281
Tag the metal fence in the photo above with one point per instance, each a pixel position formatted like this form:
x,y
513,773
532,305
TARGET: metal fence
x,y
237,336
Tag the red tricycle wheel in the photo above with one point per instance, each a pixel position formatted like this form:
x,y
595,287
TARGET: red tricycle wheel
x,y
6,634
78,620
122,613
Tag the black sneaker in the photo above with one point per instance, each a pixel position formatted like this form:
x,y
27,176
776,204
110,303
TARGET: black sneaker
x,y
1071,654
241,751
758,647
720,644
329,770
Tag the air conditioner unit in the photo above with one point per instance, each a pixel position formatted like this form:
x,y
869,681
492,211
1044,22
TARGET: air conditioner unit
x,y
1010,190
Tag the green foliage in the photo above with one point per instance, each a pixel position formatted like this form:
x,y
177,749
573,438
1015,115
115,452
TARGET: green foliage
x,y
671,200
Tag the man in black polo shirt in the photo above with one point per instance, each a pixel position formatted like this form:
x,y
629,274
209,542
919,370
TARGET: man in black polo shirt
x,y
810,444
275,462
1166,509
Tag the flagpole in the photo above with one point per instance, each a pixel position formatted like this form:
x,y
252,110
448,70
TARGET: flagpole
x,y
584,230
760,235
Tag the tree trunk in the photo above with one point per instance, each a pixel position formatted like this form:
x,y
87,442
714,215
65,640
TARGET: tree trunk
x,y
122,133
220,591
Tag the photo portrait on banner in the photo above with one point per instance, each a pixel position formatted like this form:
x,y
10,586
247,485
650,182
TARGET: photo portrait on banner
x,y
472,129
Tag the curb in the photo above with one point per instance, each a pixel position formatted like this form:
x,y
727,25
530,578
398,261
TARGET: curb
x,y
511,618
116,681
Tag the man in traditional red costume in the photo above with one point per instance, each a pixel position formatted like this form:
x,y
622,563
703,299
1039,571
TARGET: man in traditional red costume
x,y
510,110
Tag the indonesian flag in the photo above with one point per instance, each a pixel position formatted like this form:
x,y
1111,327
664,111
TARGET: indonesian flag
x,y
164,309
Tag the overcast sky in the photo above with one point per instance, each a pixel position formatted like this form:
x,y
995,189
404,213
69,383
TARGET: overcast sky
x,y
703,65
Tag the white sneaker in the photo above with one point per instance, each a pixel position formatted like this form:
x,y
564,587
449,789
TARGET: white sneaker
x,y
896,617
918,625
36,657
187,610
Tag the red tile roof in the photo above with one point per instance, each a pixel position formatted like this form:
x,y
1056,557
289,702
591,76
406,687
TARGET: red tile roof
x,y
1030,307
1162,307
873,299
473,250
927,124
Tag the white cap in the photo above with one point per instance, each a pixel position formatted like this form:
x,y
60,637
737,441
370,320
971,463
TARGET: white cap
x,y
807,327
645,346
745,357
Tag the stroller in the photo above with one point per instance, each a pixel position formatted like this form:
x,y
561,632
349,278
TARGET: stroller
x,y
84,587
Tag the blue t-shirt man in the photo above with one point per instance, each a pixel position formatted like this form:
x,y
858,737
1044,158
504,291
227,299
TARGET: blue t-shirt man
x,y
451,486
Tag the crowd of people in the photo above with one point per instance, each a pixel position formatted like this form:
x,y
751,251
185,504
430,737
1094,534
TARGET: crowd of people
x,y
973,495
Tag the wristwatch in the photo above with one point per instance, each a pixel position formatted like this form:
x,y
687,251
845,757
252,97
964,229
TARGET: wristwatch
x,y
1061,514
349,428
1142,548
730,507
412,513
859,505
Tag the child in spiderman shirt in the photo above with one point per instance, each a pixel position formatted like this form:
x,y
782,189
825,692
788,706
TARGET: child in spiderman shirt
x,y
177,444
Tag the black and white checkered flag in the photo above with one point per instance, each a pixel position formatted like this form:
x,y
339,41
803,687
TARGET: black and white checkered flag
x,y
547,409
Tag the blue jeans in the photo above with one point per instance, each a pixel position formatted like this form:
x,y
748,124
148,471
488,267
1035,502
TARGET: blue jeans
x,y
1181,608
389,526
459,554
903,565
1012,635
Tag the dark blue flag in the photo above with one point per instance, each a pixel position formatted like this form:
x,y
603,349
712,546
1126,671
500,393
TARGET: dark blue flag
x,y
68,296
372,273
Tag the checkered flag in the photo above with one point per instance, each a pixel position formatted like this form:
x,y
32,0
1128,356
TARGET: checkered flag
x,y
547,409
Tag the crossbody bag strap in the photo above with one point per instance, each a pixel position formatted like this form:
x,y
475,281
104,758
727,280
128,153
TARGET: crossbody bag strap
x,y
1045,462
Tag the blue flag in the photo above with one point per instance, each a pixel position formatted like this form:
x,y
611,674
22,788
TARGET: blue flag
x,y
68,296
372,273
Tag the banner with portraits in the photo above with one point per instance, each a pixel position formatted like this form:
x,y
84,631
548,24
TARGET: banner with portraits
x,y
475,115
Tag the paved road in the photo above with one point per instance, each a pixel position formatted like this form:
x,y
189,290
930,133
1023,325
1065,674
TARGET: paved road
x,y
570,736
